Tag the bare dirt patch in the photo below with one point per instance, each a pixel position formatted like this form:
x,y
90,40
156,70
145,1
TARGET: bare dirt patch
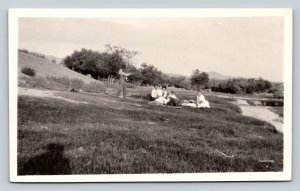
x,y
44,94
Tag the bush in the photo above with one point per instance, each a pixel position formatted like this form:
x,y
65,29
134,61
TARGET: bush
x,y
28,71
24,50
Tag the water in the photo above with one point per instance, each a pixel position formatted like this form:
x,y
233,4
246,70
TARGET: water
x,y
261,112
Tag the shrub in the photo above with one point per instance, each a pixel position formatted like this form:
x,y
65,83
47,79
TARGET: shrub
x,y
24,50
28,71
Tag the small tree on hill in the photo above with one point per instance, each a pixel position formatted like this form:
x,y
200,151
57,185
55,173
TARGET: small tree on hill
x,y
199,79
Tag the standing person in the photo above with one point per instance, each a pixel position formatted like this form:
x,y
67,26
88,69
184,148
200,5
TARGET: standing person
x,y
122,83
155,93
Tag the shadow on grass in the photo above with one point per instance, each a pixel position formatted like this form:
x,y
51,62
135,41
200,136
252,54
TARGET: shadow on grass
x,y
51,162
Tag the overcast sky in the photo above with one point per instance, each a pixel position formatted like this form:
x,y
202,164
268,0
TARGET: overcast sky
x,y
242,47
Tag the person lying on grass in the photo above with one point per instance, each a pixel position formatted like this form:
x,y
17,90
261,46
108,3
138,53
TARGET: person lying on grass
x,y
201,102
155,93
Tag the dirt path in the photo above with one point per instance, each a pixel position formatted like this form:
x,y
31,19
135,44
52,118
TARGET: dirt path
x,y
44,94
83,98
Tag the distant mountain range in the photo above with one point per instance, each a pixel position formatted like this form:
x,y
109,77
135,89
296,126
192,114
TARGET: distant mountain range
x,y
212,75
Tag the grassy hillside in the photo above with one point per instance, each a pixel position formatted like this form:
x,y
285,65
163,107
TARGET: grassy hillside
x,y
109,135
46,68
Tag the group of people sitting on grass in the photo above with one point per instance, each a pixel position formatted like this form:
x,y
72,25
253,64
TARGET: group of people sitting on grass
x,y
163,97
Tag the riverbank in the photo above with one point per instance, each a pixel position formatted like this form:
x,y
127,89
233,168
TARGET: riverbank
x,y
264,113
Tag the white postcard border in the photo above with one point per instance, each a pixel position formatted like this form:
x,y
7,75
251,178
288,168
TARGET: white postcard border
x,y
286,175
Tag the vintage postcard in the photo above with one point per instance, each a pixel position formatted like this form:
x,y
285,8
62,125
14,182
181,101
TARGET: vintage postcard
x,y
150,95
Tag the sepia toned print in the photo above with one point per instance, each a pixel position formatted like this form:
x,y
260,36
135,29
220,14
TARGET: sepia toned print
x,y
119,95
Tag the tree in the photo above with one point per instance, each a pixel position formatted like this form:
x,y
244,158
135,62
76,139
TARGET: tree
x,y
126,55
178,82
151,75
241,85
100,64
164,79
199,79
135,76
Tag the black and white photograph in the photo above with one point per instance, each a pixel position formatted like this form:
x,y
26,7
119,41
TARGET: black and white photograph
x,y
129,95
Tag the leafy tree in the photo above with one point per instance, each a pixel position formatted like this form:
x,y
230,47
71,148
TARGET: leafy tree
x,y
100,64
135,76
126,55
199,79
151,75
164,79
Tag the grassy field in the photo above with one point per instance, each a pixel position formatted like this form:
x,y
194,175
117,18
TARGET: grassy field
x,y
107,135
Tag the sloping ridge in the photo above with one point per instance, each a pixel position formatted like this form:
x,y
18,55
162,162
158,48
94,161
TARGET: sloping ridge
x,y
45,67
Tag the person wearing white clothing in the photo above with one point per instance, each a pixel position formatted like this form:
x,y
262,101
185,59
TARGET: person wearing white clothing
x,y
163,97
201,101
155,93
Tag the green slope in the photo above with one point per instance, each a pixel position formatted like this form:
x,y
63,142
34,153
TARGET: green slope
x,y
45,67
